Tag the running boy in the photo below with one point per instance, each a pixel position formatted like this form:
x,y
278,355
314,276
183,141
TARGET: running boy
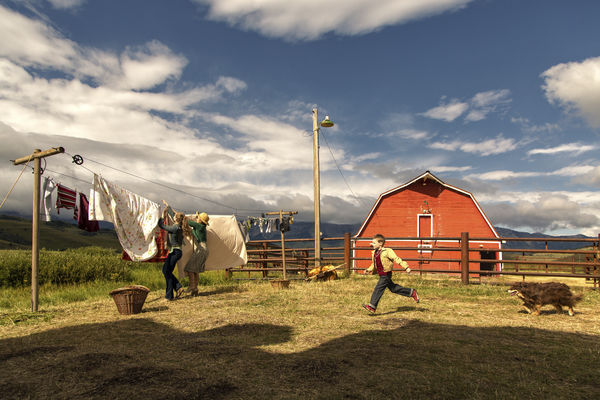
x,y
382,262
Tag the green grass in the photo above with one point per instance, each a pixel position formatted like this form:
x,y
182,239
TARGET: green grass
x,y
248,340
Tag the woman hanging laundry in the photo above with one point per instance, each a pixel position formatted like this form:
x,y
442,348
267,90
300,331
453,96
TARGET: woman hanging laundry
x,y
174,244
197,262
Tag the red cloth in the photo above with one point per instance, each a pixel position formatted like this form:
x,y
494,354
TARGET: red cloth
x,y
379,264
82,216
66,198
161,245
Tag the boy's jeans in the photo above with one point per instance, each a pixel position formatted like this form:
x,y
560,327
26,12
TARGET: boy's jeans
x,y
385,281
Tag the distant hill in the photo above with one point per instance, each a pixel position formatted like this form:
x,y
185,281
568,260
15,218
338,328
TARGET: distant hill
x,y
505,232
15,233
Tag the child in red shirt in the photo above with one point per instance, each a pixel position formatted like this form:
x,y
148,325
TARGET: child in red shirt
x,y
382,263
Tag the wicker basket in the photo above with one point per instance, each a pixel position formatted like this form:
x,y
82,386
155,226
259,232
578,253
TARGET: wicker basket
x,y
130,299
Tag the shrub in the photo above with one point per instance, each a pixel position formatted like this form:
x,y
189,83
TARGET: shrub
x,y
63,267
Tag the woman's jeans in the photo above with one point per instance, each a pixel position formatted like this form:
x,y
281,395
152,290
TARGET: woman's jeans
x,y
385,281
167,270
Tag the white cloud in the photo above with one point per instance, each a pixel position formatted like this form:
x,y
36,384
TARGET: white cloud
x,y
543,212
148,66
309,19
447,112
504,174
64,4
575,148
498,175
529,127
441,169
573,170
485,102
413,134
488,147
576,87
478,107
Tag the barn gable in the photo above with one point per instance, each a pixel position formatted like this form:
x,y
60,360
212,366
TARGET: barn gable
x,y
426,187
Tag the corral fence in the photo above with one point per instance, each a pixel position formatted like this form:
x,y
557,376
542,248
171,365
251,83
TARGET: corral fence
x,y
553,260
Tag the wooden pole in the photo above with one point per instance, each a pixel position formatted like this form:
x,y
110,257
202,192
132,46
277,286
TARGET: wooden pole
x,y
35,232
317,184
282,248
464,257
35,218
347,246
280,213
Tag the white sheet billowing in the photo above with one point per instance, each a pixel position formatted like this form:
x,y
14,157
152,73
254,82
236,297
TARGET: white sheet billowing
x,y
135,218
226,246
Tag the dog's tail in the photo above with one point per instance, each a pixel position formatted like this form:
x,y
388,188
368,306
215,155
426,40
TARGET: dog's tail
x,y
577,298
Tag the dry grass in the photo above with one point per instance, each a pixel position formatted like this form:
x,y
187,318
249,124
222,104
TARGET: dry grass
x,y
250,341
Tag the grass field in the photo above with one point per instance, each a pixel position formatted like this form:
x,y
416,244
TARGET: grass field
x,y
244,340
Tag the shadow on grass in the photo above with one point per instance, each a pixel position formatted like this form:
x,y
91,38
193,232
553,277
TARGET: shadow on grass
x,y
141,359
400,310
219,290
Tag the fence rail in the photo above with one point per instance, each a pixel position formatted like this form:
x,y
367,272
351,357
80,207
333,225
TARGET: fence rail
x,y
265,257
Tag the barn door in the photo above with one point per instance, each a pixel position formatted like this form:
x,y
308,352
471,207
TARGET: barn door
x,y
425,229
425,225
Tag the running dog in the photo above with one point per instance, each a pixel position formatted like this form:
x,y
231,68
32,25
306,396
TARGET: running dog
x,y
537,295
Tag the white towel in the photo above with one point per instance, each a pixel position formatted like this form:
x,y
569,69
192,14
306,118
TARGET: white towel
x,y
48,188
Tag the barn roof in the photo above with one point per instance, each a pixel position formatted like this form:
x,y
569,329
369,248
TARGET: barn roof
x,y
427,176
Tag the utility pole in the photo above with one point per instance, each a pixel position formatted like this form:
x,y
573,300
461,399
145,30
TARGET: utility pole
x,y
35,217
317,184
326,123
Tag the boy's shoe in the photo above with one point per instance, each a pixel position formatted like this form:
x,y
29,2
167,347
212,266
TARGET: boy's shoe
x,y
369,308
415,296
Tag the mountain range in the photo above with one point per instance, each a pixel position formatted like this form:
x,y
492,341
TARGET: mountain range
x,y
15,233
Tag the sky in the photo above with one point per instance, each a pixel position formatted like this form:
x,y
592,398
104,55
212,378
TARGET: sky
x,y
214,98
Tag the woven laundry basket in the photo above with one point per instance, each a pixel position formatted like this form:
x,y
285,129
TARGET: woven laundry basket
x,y
130,299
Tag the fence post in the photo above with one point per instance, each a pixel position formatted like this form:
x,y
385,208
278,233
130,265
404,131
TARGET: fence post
x,y
265,255
347,251
464,257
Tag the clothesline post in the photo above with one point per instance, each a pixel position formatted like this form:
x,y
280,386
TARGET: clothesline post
x,y
36,156
280,213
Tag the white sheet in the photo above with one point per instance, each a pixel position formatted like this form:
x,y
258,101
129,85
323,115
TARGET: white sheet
x,y
134,217
226,246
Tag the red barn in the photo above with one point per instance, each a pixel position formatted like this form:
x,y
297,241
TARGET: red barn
x,y
419,212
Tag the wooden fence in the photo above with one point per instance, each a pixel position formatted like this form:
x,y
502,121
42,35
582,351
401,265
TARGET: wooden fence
x,y
265,258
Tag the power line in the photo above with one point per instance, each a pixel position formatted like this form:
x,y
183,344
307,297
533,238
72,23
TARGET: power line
x,y
166,186
340,171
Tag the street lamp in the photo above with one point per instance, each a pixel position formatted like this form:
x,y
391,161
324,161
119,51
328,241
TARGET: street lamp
x,y
326,123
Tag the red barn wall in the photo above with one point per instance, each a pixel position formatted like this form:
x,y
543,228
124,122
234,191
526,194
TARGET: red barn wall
x,y
453,212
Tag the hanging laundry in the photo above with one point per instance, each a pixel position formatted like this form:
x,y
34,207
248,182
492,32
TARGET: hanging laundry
x,y
67,198
245,230
135,218
161,245
83,216
269,227
48,188
285,224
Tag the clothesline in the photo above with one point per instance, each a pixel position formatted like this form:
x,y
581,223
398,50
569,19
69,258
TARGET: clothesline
x,y
165,186
265,225
236,210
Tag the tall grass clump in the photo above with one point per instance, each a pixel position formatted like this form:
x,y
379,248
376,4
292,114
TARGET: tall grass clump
x,y
71,266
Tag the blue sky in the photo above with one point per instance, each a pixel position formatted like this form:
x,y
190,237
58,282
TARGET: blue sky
x,y
214,97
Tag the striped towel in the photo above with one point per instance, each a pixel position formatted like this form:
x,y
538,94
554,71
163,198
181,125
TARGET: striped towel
x,y
66,198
